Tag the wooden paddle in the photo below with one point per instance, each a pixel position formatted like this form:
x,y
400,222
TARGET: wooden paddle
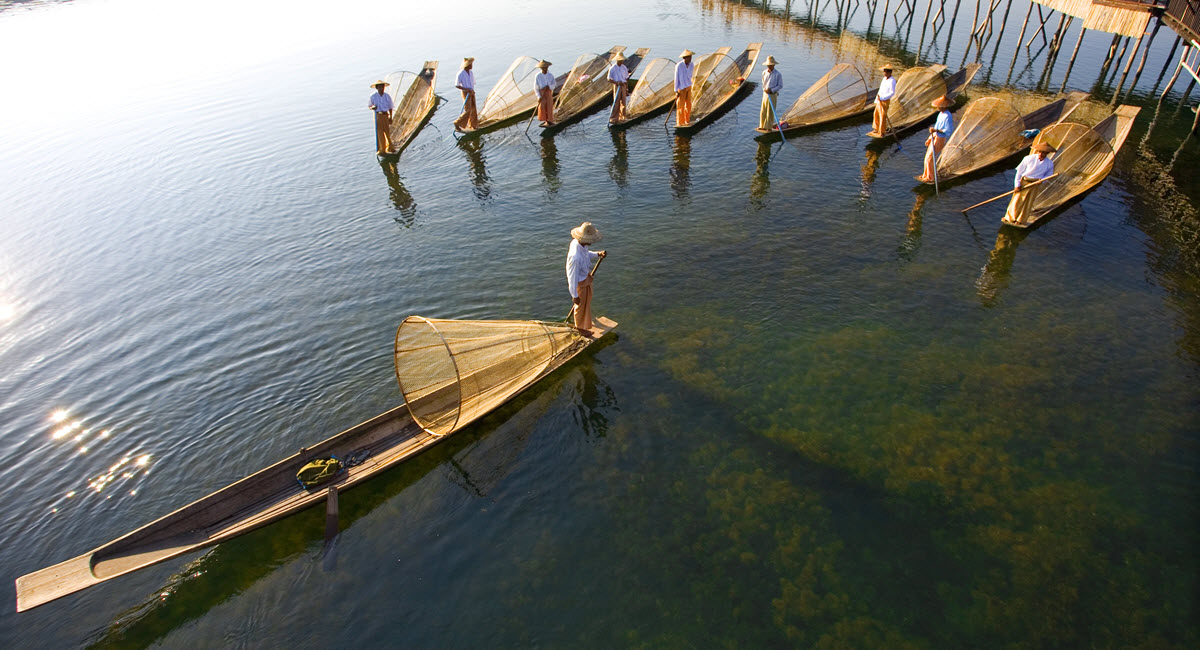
x,y
590,274
964,210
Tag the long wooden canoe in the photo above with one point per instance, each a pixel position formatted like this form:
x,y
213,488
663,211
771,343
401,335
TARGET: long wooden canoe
x,y
274,493
990,130
587,87
414,107
654,91
1081,162
716,81
915,91
841,94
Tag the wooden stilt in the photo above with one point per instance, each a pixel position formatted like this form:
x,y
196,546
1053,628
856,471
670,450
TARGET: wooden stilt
x,y
1082,31
1112,50
924,24
1195,124
1117,61
331,514
1145,52
1166,64
1128,65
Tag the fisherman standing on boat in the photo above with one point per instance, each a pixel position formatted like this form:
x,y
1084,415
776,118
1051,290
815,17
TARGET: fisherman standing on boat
x,y
469,119
938,133
772,83
544,85
618,76
1034,167
381,104
579,277
683,89
887,90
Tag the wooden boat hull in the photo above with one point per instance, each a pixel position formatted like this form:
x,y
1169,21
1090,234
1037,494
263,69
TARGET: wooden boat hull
x,y
255,501
771,134
429,72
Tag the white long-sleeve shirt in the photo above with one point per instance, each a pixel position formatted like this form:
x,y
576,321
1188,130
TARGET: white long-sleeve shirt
x,y
1031,167
772,81
683,75
887,88
543,80
579,265
381,102
618,73
465,80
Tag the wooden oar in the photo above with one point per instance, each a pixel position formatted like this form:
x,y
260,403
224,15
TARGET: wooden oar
x,y
936,192
590,274
964,210
887,124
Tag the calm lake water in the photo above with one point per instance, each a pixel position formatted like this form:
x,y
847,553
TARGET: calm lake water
x,y
838,412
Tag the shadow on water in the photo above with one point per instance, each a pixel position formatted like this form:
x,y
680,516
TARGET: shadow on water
x,y
481,183
401,199
998,268
550,167
681,162
618,166
869,167
760,183
912,229
477,459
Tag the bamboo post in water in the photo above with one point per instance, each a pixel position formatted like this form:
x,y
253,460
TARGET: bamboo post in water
x,y
1166,64
1128,65
1145,52
1082,31
1117,61
331,513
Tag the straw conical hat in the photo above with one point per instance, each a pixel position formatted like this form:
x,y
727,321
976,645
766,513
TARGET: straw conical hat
x,y
686,53
886,68
771,61
942,102
1044,146
618,57
467,61
381,81
586,233
544,64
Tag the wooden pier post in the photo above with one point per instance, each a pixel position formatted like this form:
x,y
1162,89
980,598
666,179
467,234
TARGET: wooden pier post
x,y
1178,69
1145,53
1117,61
1082,31
1166,64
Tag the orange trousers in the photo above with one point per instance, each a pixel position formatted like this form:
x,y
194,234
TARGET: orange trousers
x,y
583,311
469,119
546,105
683,106
879,121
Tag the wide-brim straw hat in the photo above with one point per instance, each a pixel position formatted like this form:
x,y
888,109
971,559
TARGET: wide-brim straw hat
x,y
544,64
467,61
380,82
618,57
942,102
1044,146
686,53
771,61
887,68
586,233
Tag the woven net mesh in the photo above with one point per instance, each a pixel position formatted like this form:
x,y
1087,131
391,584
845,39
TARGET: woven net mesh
x,y
512,94
1060,135
716,78
412,94
453,371
653,90
1084,161
586,83
915,91
988,130
840,93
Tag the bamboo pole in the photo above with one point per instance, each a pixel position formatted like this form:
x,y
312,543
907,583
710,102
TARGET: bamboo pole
x,y
1178,69
1120,57
924,24
1145,53
1128,65
1166,64
1082,31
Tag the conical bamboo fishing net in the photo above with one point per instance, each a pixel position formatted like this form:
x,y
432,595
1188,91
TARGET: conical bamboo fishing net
x,y
512,94
654,89
586,83
915,91
717,77
1060,135
413,96
1081,165
453,371
840,93
989,130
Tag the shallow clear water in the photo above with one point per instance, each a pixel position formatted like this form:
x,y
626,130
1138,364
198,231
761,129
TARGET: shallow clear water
x,y
837,410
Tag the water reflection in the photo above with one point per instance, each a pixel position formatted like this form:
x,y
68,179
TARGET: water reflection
x,y
481,182
998,268
681,162
401,199
595,399
868,173
912,229
618,167
550,166
760,183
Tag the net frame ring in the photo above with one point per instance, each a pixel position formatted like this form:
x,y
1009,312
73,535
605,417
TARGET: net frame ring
x,y
457,377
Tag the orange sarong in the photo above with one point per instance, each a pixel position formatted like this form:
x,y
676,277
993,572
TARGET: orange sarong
x,y
546,105
469,119
933,146
683,106
583,311
879,121
383,128
620,92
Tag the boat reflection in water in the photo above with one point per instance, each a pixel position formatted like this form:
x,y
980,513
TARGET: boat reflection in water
x,y
481,182
912,229
550,167
401,199
760,183
681,162
998,268
618,167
